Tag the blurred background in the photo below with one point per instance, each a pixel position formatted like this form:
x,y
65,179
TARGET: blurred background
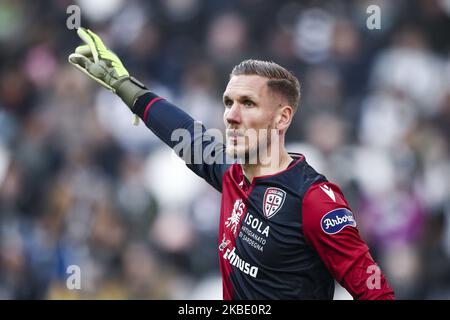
x,y
79,185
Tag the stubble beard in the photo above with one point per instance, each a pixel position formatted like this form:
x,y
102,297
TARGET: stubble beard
x,y
251,156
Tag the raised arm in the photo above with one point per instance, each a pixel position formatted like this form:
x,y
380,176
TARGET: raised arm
x,y
202,152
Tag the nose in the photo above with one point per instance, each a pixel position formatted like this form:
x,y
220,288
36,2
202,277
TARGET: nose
x,y
233,114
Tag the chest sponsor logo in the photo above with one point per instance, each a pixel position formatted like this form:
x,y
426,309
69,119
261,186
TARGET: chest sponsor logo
x,y
241,264
273,201
254,232
257,225
336,220
235,217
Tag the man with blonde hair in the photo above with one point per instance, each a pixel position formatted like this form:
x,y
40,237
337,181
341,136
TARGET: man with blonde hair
x,y
286,232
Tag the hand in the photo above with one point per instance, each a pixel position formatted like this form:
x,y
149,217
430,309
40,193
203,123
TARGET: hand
x,y
103,65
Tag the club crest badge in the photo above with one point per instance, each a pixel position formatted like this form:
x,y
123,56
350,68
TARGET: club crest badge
x,y
273,201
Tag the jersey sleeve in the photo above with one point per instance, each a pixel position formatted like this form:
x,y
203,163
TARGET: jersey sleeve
x,y
330,228
202,152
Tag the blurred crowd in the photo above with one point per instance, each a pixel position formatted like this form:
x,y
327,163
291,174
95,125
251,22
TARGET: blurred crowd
x,y
80,185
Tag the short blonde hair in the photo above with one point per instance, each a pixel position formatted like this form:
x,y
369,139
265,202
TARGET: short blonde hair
x,y
280,80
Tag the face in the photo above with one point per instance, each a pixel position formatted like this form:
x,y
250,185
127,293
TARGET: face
x,y
250,113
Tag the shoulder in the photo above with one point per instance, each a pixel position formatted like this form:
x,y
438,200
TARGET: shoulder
x,y
325,209
304,175
324,193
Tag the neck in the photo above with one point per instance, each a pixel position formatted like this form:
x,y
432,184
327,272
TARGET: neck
x,y
266,166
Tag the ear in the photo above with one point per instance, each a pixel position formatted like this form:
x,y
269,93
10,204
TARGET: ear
x,y
284,118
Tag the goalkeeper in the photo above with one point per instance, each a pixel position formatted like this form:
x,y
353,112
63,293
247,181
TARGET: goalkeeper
x,y
285,231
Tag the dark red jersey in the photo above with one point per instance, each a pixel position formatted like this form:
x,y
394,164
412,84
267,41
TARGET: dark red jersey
x,y
283,236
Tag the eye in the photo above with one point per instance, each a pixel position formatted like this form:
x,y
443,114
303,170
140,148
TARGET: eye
x,y
249,103
228,103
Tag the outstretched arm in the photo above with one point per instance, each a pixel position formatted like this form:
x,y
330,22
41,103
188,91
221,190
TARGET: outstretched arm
x,y
202,153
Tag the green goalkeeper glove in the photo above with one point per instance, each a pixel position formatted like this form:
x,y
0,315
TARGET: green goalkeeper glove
x,y
103,65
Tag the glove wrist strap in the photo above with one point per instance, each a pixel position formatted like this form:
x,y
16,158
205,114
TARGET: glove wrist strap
x,y
129,90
